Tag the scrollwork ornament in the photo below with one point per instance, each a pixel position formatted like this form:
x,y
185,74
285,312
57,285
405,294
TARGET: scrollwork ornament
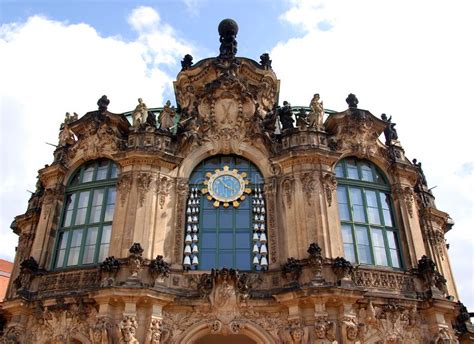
x,y
144,180
124,185
308,183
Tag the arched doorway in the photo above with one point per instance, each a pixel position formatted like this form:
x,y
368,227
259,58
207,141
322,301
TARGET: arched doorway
x,y
219,339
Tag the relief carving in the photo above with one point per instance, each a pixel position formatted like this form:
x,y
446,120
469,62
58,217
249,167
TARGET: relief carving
x,y
144,180
154,331
124,185
329,183
288,188
128,328
182,190
163,186
308,183
101,331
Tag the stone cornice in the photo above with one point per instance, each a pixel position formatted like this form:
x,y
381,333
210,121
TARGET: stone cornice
x,y
306,157
141,158
438,216
51,174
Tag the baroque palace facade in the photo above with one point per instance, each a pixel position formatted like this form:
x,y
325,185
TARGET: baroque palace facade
x,y
231,219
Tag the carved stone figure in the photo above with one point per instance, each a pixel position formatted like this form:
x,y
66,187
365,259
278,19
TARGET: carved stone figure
x,y
352,101
135,261
154,332
421,174
390,132
301,119
316,115
140,114
100,332
265,61
167,116
103,103
151,120
109,269
228,30
286,116
128,328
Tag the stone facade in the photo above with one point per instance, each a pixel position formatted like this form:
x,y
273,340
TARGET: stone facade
x,y
308,294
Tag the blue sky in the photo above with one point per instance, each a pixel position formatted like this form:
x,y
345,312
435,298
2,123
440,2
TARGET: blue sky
x,y
409,59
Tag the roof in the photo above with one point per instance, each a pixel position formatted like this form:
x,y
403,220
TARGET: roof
x,y
6,266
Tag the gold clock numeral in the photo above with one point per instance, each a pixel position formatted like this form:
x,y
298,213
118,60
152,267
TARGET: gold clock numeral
x,y
236,204
208,174
204,191
216,203
248,190
226,205
209,197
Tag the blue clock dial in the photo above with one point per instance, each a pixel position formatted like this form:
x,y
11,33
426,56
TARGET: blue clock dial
x,y
226,187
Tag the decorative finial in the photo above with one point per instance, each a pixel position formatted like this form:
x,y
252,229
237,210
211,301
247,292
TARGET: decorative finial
x,y
103,102
352,101
187,62
228,30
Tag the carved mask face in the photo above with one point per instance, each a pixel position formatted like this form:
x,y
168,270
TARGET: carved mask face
x,y
320,331
297,334
351,332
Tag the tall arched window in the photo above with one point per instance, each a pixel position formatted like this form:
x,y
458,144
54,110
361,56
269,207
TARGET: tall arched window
x,y
369,231
225,216
86,220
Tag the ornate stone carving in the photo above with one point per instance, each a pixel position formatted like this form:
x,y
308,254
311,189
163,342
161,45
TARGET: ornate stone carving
x,y
108,270
292,269
135,261
265,61
124,184
128,328
12,335
154,331
288,188
308,183
444,336
163,186
316,115
329,183
324,330
295,333
389,323
186,62
28,268
406,194
383,280
437,240
430,276
316,262
159,269
166,118
101,331
342,269
144,180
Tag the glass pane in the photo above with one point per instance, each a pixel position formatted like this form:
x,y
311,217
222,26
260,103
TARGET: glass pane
x,y
73,258
364,254
88,174
362,236
339,171
378,178
82,208
103,252
242,219
395,258
102,170
209,219
347,234
356,196
242,240
75,179
98,197
63,239
88,256
207,260
387,217
225,219
60,258
70,201
380,256
377,238
208,240
106,231
392,241
114,171
344,212
358,213
109,213
349,252
76,239
243,261
80,216
371,197
226,260
91,238
366,172
374,216
225,241
67,218
95,214
111,194
352,172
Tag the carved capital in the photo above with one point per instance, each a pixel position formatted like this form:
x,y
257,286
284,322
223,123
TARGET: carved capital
x,y
329,184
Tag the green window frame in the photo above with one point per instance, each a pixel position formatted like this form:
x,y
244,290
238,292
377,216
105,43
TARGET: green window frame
x,y
85,228
369,232
225,237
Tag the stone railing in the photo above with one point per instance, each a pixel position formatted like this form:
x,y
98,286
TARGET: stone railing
x,y
391,280
68,280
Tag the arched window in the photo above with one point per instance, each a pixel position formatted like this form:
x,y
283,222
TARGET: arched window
x,y
86,220
225,216
369,231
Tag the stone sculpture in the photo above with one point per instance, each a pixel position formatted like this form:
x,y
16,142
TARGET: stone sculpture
x,y
315,117
140,114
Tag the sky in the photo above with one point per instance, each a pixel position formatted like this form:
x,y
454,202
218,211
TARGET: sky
x,y
412,60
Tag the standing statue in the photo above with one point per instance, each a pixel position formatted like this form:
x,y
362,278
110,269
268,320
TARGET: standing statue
x,y
286,116
66,136
301,119
421,174
390,132
316,115
140,114
228,30
167,116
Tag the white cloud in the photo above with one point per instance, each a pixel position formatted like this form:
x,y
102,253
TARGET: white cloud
x,y
49,68
411,60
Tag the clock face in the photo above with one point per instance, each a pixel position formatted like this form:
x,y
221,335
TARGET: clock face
x,y
226,186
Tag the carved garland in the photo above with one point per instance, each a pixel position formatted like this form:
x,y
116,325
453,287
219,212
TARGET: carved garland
x,y
329,183
144,180
124,184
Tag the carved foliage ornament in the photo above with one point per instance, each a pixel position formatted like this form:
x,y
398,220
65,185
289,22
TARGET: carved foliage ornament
x,y
288,188
308,183
329,183
144,180
124,184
